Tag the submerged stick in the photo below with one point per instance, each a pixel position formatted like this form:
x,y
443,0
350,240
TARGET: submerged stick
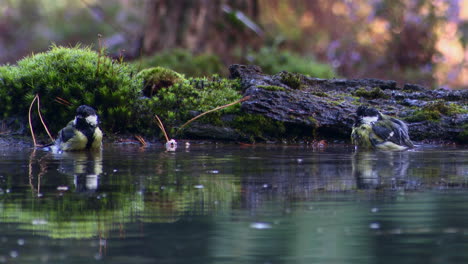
x,y
30,122
212,110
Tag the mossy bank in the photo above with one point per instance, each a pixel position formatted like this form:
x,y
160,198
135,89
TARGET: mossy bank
x,y
285,106
126,99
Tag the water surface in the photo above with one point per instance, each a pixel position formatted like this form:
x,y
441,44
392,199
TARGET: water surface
x,y
216,203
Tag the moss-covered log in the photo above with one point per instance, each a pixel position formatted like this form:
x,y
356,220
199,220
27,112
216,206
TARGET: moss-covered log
x,y
327,106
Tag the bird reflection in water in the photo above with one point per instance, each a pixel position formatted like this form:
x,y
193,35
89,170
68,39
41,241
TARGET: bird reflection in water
x,y
85,167
381,169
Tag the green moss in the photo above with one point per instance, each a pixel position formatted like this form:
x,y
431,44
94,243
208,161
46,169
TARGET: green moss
x,y
271,87
434,112
78,75
185,62
258,126
157,78
448,109
337,101
424,115
184,100
10,90
292,80
372,94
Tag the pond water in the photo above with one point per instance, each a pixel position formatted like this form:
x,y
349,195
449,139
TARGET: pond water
x,y
217,203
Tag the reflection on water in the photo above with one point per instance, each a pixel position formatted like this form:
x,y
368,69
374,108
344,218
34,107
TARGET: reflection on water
x,y
232,204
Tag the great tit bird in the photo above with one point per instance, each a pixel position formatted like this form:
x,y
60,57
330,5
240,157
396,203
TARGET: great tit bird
x,y
82,133
374,130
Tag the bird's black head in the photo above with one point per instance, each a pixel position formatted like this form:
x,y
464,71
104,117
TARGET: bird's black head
x,y
85,111
365,114
364,110
86,116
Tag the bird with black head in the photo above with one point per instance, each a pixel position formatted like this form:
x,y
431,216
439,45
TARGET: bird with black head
x,y
82,133
374,130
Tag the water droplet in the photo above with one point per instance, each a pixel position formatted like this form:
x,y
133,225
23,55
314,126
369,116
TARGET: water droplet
x,y
115,170
299,160
13,254
374,210
62,188
200,186
265,185
21,242
39,222
260,225
40,195
7,190
374,226
213,171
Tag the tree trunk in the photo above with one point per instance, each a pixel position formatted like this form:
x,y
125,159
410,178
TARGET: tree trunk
x,y
198,25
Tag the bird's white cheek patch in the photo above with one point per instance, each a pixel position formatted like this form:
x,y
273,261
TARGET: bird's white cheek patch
x,y
92,120
370,119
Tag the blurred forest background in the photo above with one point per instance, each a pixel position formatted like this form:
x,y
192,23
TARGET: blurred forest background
x,y
410,41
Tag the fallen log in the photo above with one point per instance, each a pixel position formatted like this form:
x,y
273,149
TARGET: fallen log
x,y
327,106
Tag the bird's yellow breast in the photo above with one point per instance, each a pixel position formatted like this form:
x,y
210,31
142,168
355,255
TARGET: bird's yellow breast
x,y
97,143
79,141
360,136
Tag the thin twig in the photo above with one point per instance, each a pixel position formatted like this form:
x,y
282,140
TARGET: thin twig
x,y
212,110
141,140
30,122
99,53
62,101
40,117
161,126
140,60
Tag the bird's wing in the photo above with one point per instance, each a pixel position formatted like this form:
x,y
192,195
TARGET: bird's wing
x,y
403,133
67,132
391,132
